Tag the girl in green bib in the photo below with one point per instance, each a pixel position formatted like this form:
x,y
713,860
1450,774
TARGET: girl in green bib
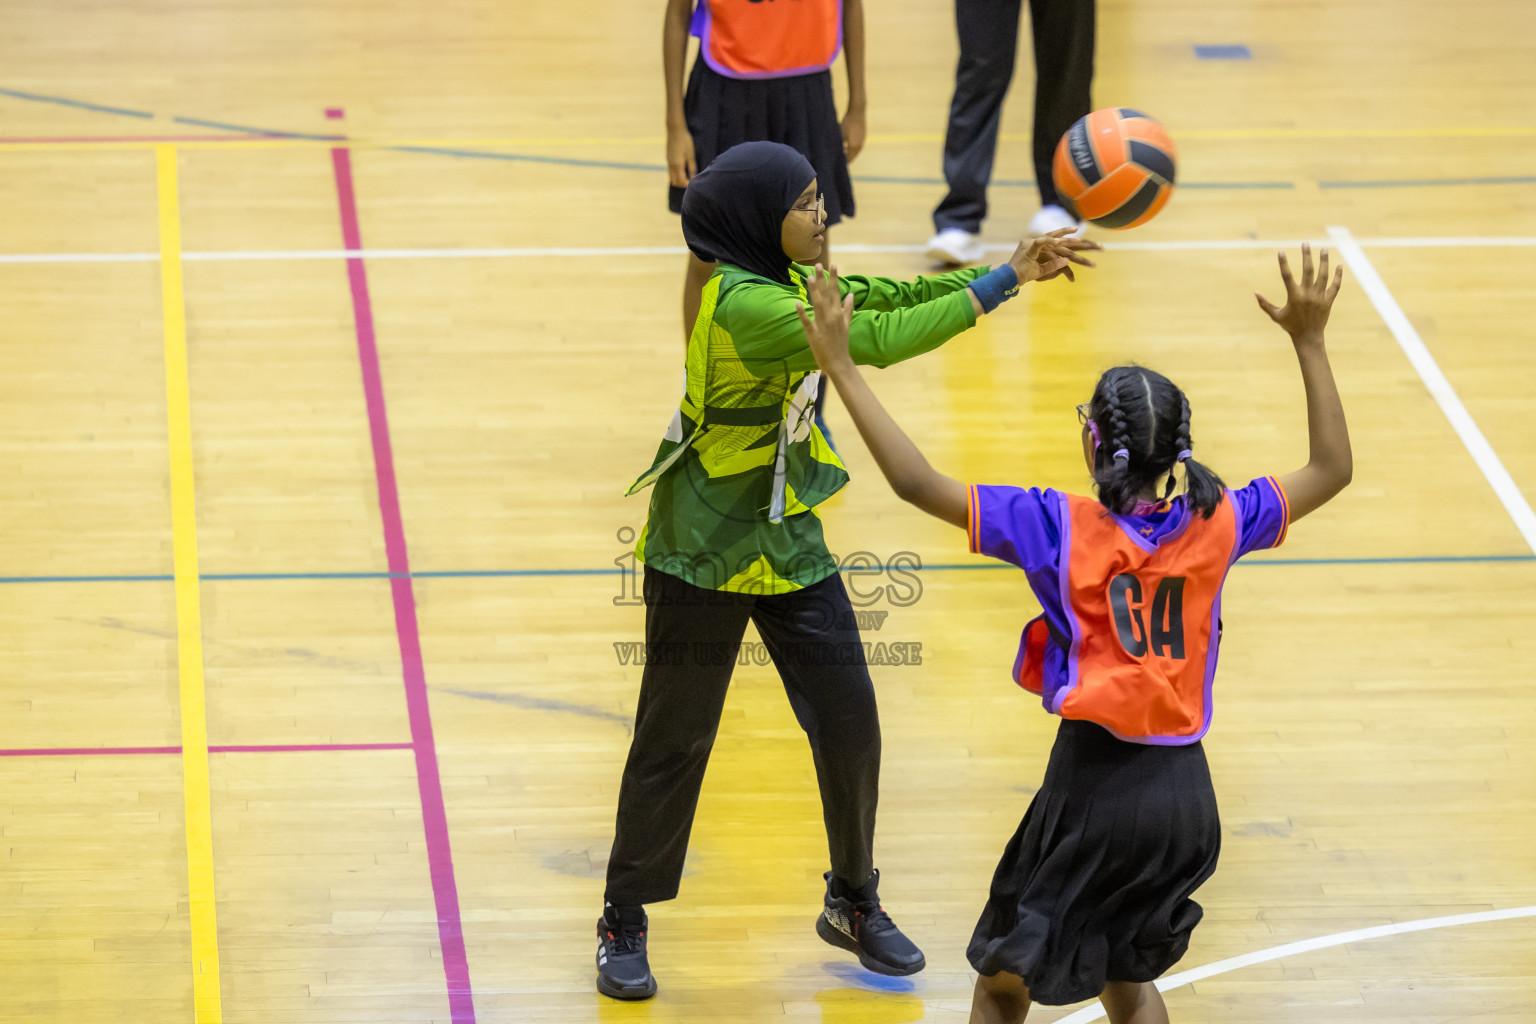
x,y
734,535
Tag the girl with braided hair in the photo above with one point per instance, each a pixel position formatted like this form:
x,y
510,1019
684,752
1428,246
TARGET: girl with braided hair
x,y
1092,895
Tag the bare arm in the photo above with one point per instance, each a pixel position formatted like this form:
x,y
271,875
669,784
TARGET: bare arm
x,y
1330,462
908,473
854,124
674,49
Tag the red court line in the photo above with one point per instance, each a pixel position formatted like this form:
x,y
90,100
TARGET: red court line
x,y
229,748
434,814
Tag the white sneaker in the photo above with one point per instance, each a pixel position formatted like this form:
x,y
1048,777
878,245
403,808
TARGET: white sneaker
x,y
956,246
1054,218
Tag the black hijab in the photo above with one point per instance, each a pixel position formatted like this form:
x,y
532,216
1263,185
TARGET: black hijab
x,y
734,209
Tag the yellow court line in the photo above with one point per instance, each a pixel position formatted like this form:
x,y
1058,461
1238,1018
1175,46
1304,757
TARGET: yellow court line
x,y
206,1000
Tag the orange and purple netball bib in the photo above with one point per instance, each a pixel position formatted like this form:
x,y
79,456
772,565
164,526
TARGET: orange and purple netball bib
x,y
768,38
1131,605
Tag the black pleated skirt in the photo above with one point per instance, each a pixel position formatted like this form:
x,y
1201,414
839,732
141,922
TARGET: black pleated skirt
x,y
1095,885
798,111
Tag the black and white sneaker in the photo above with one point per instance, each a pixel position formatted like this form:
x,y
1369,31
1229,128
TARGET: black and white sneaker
x,y
623,971
857,923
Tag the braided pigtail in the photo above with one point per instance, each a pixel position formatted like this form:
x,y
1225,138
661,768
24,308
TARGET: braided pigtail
x,y
1140,446
1117,484
1202,486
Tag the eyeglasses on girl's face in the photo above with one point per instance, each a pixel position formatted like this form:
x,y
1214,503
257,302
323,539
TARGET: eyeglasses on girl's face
x,y
819,208
1085,417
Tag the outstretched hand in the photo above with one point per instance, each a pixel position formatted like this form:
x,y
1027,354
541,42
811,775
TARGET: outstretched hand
x,y
1307,304
827,333
1052,255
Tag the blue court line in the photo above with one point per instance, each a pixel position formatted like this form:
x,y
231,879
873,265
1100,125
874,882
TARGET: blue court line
x,y
485,154
1236,184
81,104
619,165
429,574
883,179
1223,51
891,179
474,154
468,573
425,574
1519,179
225,576
1388,560
258,131
1421,560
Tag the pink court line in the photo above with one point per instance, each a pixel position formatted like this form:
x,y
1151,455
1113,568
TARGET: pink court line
x,y
434,814
230,748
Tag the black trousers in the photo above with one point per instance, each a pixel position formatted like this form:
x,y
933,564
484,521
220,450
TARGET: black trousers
x,y
692,637
989,37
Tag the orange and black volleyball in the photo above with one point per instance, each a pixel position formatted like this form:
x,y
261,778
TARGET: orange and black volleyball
x,y
1115,168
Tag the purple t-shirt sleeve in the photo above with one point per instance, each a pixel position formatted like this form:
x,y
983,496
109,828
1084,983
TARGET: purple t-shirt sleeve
x,y
1019,526
1263,514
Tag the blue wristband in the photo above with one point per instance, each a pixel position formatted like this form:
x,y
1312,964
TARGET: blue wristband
x,y
995,287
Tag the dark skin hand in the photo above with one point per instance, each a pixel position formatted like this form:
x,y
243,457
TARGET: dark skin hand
x,y
1330,463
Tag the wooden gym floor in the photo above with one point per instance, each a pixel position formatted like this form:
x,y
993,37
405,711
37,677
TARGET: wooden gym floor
x,y
314,583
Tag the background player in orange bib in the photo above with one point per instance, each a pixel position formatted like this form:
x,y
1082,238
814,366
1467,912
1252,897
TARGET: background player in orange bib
x,y
1092,894
763,74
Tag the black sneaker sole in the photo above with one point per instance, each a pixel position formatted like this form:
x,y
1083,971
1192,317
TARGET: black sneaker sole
x,y
629,994
832,937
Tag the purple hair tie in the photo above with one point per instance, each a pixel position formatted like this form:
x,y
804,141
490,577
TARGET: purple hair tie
x,y
1121,453
1185,454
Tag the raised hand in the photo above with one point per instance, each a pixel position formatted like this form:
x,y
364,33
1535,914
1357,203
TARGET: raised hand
x,y
1307,304
827,334
1052,255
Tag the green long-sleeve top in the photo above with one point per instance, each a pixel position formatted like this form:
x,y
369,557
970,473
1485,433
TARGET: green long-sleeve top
x,y
742,467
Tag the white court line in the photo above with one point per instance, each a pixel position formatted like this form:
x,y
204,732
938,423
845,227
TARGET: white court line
x,y
1191,245
80,257
1425,243
547,252
1092,1013
1429,371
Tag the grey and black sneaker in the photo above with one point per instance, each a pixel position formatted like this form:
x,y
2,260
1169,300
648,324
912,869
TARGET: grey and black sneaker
x,y
853,920
623,972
